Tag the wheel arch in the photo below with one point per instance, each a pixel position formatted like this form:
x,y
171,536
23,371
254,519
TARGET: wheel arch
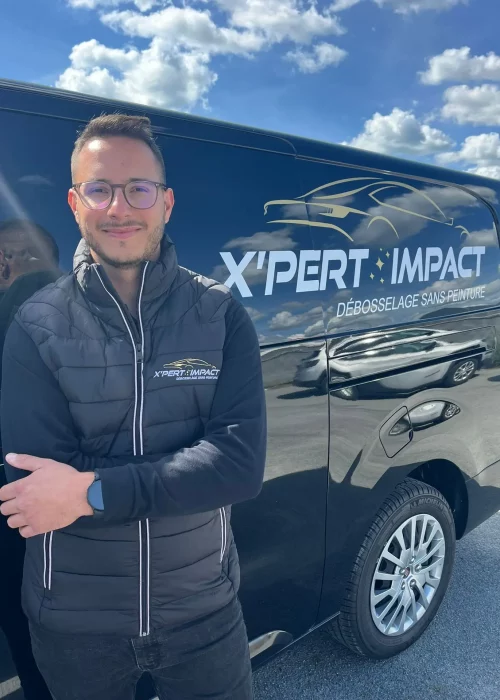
x,y
449,480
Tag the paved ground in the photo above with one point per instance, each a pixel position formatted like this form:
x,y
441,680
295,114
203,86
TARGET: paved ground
x,y
457,659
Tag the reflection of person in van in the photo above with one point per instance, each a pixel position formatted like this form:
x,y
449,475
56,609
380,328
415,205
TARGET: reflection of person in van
x,y
131,564
28,261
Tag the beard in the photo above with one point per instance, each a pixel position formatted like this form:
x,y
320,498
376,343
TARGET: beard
x,y
150,251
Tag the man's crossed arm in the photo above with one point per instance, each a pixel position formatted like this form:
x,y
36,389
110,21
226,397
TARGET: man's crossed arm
x,y
49,475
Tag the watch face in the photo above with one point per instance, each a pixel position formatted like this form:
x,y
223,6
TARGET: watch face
x,y
95,496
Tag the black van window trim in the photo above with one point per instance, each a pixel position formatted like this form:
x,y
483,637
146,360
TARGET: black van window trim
x,y
86,98
158,131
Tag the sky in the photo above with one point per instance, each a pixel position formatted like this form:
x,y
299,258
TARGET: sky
x,y
413,78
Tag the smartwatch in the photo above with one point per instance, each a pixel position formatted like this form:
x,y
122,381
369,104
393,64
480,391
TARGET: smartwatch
x,y
94,495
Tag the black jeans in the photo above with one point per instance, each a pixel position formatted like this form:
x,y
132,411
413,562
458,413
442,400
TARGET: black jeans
x,y
206,659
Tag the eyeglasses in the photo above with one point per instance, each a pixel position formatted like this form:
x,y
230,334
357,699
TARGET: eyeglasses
x,y
98,194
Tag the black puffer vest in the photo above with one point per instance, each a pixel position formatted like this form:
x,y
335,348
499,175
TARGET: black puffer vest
x,y
130,579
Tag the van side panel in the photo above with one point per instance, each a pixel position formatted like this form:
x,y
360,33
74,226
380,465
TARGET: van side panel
x,y
409,287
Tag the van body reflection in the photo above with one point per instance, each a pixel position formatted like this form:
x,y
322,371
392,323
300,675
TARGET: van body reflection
x,y
386,354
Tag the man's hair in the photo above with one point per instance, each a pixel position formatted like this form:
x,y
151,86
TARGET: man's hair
x,y
41,240
126,125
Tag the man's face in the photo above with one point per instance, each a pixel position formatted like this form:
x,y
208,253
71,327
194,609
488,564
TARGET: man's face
x,y
120,235
21,252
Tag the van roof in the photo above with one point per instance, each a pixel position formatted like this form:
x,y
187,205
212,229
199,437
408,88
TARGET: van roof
x,y
47,100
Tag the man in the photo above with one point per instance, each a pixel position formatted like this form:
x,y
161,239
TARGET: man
x,y
29,260
128,471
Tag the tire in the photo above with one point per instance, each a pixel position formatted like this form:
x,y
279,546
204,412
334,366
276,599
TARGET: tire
x,y
355,626
461,372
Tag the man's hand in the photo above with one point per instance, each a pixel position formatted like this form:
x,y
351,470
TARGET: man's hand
x,y
53,496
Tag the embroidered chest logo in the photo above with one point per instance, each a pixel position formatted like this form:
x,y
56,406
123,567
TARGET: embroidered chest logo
x,y
189,368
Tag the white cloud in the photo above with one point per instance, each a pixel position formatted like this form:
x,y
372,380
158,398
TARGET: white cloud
x,y
253,275
341,5
175,70
320,57
480,154
487,171
483,149
401,133
452,202
254,314
277,240
143,5
492,291
406,7
263,23
187,28
294,305
159,76
299,21
402,7
477,105
485,237
36,180
457,65
315,329
285,319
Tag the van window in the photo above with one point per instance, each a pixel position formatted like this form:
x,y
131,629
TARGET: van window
x,y
220,229
392,250
218,224
35,176
38,234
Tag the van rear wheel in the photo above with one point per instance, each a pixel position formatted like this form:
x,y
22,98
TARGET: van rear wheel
x,y
461,372
400,575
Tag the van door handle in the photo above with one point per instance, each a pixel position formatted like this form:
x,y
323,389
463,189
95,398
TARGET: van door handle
x,y
397,432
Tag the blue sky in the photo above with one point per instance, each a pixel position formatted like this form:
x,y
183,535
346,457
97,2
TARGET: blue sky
x,y
416,78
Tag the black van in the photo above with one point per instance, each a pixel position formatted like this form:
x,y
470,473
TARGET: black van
x,y
374,285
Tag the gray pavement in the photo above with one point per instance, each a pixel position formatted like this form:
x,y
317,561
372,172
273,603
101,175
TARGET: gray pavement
x,y
457,659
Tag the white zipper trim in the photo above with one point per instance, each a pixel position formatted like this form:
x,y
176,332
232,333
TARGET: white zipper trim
x,y
223,526
142,364
47,565
140,579
45,560
136,391
148,587
50,560
141,447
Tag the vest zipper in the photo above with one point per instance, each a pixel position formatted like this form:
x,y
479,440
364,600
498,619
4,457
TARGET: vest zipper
x,y
144,526
223,527
138,446
47,560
